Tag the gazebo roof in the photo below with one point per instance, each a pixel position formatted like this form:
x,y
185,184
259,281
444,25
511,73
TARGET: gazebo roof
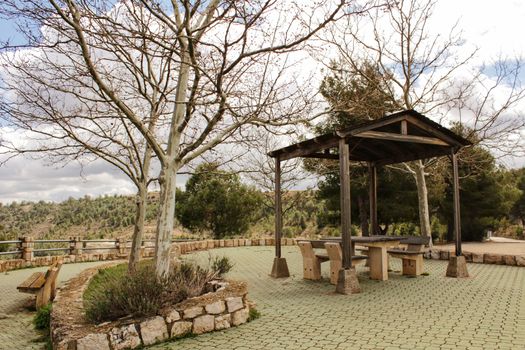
x,y
399,137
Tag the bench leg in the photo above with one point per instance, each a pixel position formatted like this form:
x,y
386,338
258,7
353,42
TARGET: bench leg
x,y
413,266
378,263
43,296
335,266
311,269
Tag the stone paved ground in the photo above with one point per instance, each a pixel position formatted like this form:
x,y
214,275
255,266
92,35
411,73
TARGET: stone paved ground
x,y
486,311
16,328
428,312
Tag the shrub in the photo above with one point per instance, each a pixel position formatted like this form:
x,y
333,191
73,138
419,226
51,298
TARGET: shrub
x,y
253,315
221,265
113,293
42,318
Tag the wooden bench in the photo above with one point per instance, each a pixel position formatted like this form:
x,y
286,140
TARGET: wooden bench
x,y
335,254
311,261
412,256
42,284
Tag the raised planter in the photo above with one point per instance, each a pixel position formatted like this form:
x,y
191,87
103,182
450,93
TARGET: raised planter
x,y
227,307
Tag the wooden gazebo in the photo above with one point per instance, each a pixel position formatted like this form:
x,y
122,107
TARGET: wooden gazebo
x,y
400,137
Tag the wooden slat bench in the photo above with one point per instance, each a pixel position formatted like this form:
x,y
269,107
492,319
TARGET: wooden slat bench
x,y
42,284
412,256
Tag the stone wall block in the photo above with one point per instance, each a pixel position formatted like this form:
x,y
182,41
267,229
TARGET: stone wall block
x,y
222,322
509,260
215,308
493,259
203,324
234,303
444,255
193,312
435,254
180,329
240,316
477,258
97,341
125,337
153,330
172,316
520,260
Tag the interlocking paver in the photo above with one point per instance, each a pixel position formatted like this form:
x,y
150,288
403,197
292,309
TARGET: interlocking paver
x,y
486,311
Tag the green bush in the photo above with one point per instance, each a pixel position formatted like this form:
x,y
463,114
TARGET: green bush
x,y
113,293
221,265
253,315
42,318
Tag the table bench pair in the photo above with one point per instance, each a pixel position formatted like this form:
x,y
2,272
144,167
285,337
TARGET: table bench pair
x,y
312,260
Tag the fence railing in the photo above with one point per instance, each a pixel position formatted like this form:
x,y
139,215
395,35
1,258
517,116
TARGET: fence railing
x,y
27,248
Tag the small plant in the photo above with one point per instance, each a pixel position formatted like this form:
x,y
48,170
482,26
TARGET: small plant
x,y
221,265
425,274
253,315
42,318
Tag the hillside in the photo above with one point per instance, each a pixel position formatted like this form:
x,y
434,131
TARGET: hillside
x,y
91,218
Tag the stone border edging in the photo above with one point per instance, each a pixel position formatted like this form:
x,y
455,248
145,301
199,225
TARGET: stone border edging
x,y
480,258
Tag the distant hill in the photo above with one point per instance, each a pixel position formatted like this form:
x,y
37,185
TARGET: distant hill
x,y
101,217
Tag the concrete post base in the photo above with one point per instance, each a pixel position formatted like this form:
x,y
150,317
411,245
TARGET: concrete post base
x,y
279,268
347,282
457,267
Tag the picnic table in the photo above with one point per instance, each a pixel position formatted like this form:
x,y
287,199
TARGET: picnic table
x,y
377,251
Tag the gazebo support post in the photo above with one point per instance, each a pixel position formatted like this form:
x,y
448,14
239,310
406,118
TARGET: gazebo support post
x,y
347,282
279,268
372,192
457,265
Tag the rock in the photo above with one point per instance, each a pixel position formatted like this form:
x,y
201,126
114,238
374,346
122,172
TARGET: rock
x,y
240,317
434,254
215,308
509,260
493,259
193,312
153,330
180,328
222,322
520,260
97,341
203,324
172,316
477,258
234,304
125,337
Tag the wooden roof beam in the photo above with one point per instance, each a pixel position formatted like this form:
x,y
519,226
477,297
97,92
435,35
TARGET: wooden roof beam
x,y
401,138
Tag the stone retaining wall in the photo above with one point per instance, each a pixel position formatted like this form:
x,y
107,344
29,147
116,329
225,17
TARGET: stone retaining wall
x,y
225,308
481,258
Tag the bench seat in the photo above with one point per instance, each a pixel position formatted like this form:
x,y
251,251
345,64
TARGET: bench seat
x,y
42,284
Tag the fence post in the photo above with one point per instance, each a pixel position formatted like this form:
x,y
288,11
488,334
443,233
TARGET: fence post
x,y
27,247
120,244
75,245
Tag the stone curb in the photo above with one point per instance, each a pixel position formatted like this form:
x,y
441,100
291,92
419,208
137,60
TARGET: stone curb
x,y
480,258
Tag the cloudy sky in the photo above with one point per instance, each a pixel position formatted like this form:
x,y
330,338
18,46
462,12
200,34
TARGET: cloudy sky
x,y
494,28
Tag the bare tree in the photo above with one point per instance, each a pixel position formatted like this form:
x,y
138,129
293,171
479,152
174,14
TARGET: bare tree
x,y
227,65
429,73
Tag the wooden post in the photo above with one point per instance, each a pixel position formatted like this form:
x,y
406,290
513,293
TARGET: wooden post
x,y
457,265
372,192
279,268
344,175
347,282
278,208
457,217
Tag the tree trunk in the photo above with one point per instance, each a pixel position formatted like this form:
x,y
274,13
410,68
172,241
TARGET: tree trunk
x,y
422,196
140,216
363,215
165,220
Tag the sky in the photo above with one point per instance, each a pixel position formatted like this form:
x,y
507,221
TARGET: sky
x,y
494,28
